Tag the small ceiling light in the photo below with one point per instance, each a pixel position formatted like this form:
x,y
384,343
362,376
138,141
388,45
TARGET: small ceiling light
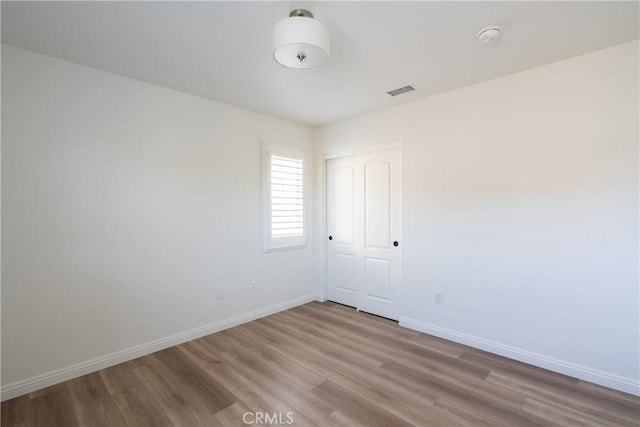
x,y
489,34
300,42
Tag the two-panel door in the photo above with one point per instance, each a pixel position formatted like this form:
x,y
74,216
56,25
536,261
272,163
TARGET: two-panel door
x,y
363,224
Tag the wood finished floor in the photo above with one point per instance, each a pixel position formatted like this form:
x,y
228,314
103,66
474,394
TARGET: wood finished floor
x,y
327,365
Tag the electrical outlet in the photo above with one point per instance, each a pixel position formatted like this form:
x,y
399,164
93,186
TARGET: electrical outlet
x,y
439,297
220,293
253,285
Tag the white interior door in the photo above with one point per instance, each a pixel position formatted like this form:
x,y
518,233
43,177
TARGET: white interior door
x,y
363,224
344,264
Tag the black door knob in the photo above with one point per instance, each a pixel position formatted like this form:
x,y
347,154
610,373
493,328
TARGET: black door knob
x,y
396,243
330,237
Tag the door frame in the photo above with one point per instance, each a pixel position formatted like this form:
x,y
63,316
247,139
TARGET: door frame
x,y
335,154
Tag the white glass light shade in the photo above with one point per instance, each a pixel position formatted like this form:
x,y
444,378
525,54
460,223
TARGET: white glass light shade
x,y
301,43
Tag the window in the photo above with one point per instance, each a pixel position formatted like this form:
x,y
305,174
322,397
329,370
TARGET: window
x,y
284,197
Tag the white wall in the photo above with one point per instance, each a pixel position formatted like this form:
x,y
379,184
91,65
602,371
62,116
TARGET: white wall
x,y
520,203
125,206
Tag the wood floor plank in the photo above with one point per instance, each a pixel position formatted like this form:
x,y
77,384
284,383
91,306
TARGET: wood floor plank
x,y
327,365
316,358
251,394
178,404
376,324
139,408
375,386
120,377
43,391
357,407
599,408
632,402
220,341
327,346
421,377
15,412
559,416
295,372
308,354
366,323
371,321
338,335
468,413
185,387
489,413
93,403
300,400
460,397
497,363
213,394
234,415
400,349
54,408
338,419
435,344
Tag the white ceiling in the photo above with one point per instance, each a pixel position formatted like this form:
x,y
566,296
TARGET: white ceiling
x,y
222,50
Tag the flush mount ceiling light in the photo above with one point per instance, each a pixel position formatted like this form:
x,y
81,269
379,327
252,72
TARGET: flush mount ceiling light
x,y
300,42
489,33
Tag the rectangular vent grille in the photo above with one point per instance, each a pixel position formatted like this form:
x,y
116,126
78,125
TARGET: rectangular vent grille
x,y
401,90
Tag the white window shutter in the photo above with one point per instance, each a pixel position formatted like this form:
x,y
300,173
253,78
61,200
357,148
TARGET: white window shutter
x,y
284,198
287,209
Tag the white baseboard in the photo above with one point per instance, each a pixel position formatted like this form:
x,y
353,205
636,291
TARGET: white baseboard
x,y
38,382
585,373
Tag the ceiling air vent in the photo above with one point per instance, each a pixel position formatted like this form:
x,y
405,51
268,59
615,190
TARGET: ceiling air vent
x,y
401,90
